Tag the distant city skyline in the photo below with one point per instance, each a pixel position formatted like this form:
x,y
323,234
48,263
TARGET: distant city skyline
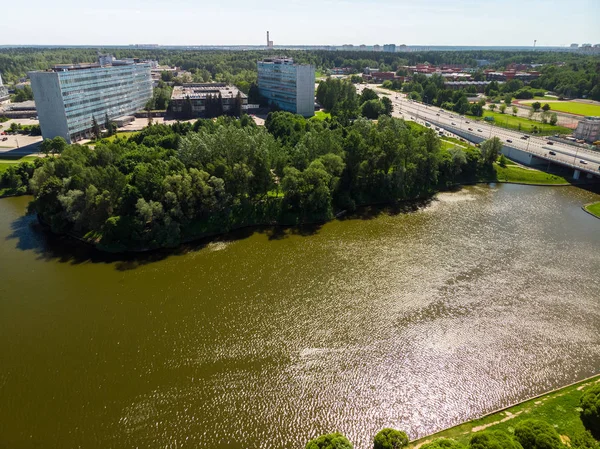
x,y
304,22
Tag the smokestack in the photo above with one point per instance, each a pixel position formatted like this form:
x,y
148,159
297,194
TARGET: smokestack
x,y
268,43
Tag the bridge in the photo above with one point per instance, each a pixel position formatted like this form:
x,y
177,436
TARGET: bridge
x,y
530,151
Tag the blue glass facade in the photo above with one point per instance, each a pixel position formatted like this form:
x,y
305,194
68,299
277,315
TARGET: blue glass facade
x,y
69,100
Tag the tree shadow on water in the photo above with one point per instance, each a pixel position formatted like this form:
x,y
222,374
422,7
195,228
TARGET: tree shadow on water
x,y
32,236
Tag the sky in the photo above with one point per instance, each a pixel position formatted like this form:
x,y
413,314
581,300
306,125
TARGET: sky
x,y
301,22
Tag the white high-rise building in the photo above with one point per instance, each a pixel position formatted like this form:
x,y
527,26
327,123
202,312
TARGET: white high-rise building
x,y
290,86
3,91
69,98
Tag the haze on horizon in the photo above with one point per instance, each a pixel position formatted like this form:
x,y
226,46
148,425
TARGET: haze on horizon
x,y
303,22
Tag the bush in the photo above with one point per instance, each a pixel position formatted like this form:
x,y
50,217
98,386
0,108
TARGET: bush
x,y
443,443
536,434
584,440
590,410
330,441
390,439
493,440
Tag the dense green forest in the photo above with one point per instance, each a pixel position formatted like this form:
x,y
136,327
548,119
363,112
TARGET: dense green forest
x,y
570,74
170,183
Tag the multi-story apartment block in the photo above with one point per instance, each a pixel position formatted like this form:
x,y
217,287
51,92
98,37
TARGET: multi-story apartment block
x,y
290,86
69,98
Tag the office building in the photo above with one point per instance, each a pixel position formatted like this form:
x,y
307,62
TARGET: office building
x,y
70,97
3,92
289,86
206,100
588,129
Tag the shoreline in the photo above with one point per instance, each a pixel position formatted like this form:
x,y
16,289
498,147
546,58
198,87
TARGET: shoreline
x,y
416,443
338,215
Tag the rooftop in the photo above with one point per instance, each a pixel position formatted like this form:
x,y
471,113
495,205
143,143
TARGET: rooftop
x,y
202,90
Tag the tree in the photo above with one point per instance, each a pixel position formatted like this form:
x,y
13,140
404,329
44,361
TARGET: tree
x,y
546,107
493,439
368,94
390,439
330,441
553,119
490,149
372,109
387,106
502,108
95,129
536,434
46,146
507,99
590,410
584,440
515,110
58,145
536,106
492,107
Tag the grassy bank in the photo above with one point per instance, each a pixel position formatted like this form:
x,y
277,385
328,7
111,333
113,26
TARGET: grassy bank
x,y
593,209
572,107
559,408
515,173
522,124
6,161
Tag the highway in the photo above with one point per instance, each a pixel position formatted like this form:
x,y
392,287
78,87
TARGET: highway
x,y
582,159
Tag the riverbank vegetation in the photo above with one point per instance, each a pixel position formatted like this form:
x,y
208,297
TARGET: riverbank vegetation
x,y
168,184
567,418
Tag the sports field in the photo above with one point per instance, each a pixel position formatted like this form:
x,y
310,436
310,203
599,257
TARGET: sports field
x,y
572,107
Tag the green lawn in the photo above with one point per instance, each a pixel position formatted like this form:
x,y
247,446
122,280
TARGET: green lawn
x,y
321,115
594,209
572,107
124,135
515,173
559,409
6,161
511,122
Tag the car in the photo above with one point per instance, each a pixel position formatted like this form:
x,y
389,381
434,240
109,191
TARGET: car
x,y
526,136
470,129
523,138
437,115
509,141
4,139
453,123
551,153
411,117
550,142
479,130
467,122
583,162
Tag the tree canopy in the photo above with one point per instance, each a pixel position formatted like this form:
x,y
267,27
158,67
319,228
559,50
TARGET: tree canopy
x,y
493,439
390,439
590,410
330,441
536,434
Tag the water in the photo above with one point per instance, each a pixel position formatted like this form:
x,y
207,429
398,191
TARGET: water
x,y
416,321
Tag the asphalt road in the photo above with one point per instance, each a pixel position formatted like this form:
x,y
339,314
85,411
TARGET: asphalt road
x,y
572,156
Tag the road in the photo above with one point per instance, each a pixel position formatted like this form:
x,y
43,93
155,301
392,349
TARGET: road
x,y
581,159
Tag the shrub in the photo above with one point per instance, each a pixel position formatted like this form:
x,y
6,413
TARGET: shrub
x,y
590,410
493,440
390,439
330,441
443,443
584,440
536,434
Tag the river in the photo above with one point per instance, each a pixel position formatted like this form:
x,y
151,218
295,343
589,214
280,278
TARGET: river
x,y
416,321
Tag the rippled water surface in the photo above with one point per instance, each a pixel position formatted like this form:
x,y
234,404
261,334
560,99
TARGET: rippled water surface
x,y
416,321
